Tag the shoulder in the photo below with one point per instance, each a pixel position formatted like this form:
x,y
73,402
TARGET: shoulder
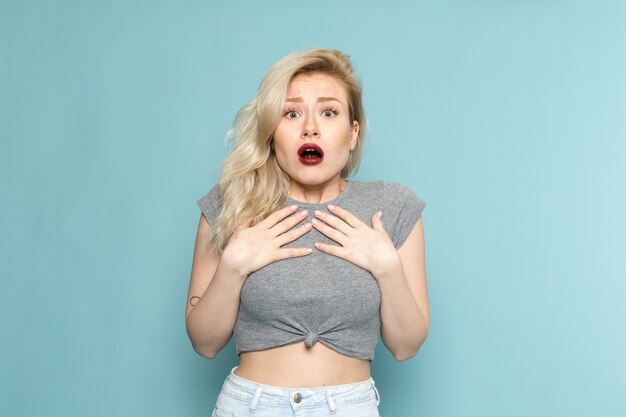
x,y
403,210
368,187
387,191
210,203
401,194
212,196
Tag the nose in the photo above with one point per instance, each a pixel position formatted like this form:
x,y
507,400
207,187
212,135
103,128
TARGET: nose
x,y
310,128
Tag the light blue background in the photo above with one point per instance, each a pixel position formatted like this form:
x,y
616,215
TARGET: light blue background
x,y
506,117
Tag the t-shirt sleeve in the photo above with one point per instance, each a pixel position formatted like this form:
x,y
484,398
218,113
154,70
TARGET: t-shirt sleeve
x,y
406,207
209,204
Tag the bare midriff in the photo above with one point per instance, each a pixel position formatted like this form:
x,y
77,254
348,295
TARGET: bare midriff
x,y
298,366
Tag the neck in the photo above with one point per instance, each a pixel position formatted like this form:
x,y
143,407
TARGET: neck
x,y
318,193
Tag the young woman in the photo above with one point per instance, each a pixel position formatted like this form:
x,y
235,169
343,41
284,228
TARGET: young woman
x,y
302,264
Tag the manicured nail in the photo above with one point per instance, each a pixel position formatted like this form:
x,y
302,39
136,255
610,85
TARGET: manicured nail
x,y
380,213
331,207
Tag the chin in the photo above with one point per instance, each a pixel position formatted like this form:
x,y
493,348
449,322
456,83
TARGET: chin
x,y
309,180
316,181
312,175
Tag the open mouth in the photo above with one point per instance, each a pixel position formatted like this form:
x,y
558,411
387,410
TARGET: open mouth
x,y
310,154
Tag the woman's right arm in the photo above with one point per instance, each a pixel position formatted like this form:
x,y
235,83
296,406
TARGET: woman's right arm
x,y
216,280
213,298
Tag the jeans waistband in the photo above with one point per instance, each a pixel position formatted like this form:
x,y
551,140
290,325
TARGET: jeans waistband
x,y
255,393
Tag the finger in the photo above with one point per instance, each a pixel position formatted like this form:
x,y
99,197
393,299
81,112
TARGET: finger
x,y
346,216
293,252
334,221
337,251
278,215
377,224
286,224
328,231
293,234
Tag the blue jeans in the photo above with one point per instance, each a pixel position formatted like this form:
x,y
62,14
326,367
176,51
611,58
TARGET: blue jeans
x,y
241,397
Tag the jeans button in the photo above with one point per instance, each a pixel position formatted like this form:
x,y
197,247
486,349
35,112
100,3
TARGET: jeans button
x,y
297,397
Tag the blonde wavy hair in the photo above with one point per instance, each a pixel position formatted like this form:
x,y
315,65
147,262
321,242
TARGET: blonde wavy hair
x,y
252,184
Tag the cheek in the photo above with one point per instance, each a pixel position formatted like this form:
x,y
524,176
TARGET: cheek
x,y
281,152
344,140
278,140
281,138
339,156
279,146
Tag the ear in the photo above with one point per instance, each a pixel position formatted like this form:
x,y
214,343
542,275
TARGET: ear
x,y
354,134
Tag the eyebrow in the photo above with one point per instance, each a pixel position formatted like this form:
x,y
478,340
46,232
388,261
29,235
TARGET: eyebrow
x,y
319,99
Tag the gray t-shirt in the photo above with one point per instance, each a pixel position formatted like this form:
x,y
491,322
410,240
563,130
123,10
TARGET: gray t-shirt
x,y
321,297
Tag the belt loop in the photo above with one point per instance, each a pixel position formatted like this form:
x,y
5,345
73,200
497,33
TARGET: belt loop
x,y
376,391
331,401
255,400
232,372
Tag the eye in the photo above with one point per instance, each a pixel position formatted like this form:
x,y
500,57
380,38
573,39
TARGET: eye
x,y
330,112
291,114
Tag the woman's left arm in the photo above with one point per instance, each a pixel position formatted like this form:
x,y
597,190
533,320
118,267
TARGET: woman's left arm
x,y
401,274
404,310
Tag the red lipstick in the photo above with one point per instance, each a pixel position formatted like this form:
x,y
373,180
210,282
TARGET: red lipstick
x,y
310,154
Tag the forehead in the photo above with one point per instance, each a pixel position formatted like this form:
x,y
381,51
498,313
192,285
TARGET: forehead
x,y
317,84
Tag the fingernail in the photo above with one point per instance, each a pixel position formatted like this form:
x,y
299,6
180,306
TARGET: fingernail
x,y
318,213
331,207
380,213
